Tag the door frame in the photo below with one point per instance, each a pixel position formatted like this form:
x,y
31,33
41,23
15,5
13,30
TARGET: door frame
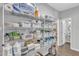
x,y
59,33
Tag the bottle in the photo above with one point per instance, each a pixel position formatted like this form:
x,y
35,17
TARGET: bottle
x,y
17,49
8,49
36,13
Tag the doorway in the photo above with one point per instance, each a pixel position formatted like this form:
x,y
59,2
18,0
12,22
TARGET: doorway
x,y
64,37
66,31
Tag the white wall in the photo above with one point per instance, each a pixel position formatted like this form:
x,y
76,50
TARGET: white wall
x,y
74,15
45,9
1,33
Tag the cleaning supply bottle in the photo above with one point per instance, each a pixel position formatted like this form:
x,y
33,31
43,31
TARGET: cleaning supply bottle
x,y
36,13
17,49
8,49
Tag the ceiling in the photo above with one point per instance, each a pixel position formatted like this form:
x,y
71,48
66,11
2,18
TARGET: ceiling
x,y
63,6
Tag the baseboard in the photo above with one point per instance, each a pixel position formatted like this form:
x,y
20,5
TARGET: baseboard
x,y
61,45
74,49
67,42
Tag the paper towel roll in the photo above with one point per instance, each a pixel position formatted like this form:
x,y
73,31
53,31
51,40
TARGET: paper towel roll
x,y
8,7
